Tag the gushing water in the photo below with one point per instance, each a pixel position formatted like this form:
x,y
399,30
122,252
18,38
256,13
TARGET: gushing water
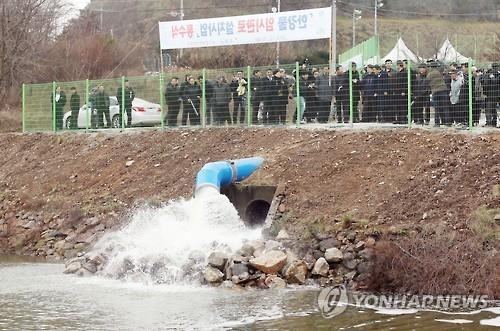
x,y
170,244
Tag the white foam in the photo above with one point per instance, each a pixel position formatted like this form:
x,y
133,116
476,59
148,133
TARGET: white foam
x,y
491,322
174,238
386,311
454,321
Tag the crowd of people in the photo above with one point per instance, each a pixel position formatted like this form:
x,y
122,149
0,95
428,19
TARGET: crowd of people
x,y
381,94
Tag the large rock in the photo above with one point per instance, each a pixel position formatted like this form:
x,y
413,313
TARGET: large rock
x,y
328,243
213,275
269,262
282,235
273,281
238,269
333,255
72,267
296,272
321,267
366,253
217,260
273,245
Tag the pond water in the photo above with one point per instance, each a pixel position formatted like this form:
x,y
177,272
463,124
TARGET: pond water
x,y
37,295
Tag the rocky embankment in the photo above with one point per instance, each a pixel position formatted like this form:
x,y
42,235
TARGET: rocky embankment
x,y
430,198
344,259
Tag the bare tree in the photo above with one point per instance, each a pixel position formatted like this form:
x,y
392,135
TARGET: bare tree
x,y
26,30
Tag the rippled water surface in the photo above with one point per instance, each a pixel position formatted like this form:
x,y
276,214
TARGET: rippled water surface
x,y
35,295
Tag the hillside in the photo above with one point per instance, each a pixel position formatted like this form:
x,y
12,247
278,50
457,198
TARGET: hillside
x,y
474,38
432,195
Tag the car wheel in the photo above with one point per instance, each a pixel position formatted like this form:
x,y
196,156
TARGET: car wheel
x,y
116,122
68,123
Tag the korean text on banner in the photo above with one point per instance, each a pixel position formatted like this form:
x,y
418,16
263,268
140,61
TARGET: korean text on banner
x,y
249,29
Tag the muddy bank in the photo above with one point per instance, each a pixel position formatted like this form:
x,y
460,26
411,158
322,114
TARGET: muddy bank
x,y
59,193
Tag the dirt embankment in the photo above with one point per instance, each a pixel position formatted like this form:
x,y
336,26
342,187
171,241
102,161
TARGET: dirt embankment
x,y
430,199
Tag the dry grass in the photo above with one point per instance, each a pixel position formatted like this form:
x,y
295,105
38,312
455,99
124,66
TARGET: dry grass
x,y
10,120
484,225
446,264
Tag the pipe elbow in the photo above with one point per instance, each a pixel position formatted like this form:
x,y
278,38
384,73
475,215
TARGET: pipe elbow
x,y
222,173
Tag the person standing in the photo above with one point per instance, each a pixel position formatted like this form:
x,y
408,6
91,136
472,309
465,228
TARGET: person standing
x,y
390,107
74,105
320,102
128,97
491,88
222,97
356,92
191,96
341,94
400,90
440,95
173,98
58,101
101,100
367,87
257,95
421,111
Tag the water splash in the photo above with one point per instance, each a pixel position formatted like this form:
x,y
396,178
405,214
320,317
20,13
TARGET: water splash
x,y
170,244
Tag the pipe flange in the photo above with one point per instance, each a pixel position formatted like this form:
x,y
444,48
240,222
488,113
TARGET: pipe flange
x,y
234,171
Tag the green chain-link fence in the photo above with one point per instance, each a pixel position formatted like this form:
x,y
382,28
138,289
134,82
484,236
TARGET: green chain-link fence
x,y
398,93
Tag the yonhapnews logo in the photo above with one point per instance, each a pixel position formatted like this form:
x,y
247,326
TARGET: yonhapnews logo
x,y
333,301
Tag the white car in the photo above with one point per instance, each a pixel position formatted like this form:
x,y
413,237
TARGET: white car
x,y
144,113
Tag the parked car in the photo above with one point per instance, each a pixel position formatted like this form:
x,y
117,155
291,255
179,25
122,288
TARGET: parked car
x,y
144,113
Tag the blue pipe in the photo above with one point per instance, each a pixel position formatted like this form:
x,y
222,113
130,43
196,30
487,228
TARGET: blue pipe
x,y
222,173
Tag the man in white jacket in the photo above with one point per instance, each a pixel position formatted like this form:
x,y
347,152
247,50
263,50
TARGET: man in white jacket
x,y
457,80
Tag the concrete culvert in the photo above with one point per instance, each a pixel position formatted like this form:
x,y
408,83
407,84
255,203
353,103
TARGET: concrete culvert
x,y
256,212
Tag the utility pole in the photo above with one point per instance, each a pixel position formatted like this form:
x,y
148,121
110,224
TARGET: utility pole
x,y
182,19
278,43
101,18
356,16
378,4
333,60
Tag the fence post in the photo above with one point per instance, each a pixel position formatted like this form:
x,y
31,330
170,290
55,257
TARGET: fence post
x,y
351,110
408,71
297,99
24,107
471,120
249,97
122,106
89,109
54,107
203,99
162,101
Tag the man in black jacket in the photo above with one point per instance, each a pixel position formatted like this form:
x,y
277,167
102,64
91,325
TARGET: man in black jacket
x,y
400,90
269,92
59,102
222,97
74,105
191,95
102,106
367,88
491,88
421,111
173,98
341,93
128,97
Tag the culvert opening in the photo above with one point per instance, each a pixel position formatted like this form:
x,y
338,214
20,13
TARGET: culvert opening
x,y
256,212
252,201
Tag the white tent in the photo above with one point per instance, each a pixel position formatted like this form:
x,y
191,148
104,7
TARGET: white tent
x,y
400,52
448,53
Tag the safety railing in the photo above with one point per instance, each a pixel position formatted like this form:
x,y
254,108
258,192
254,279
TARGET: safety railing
x,y
298,94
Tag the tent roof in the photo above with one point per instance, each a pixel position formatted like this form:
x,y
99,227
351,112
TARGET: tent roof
x,y
448,53
401,52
